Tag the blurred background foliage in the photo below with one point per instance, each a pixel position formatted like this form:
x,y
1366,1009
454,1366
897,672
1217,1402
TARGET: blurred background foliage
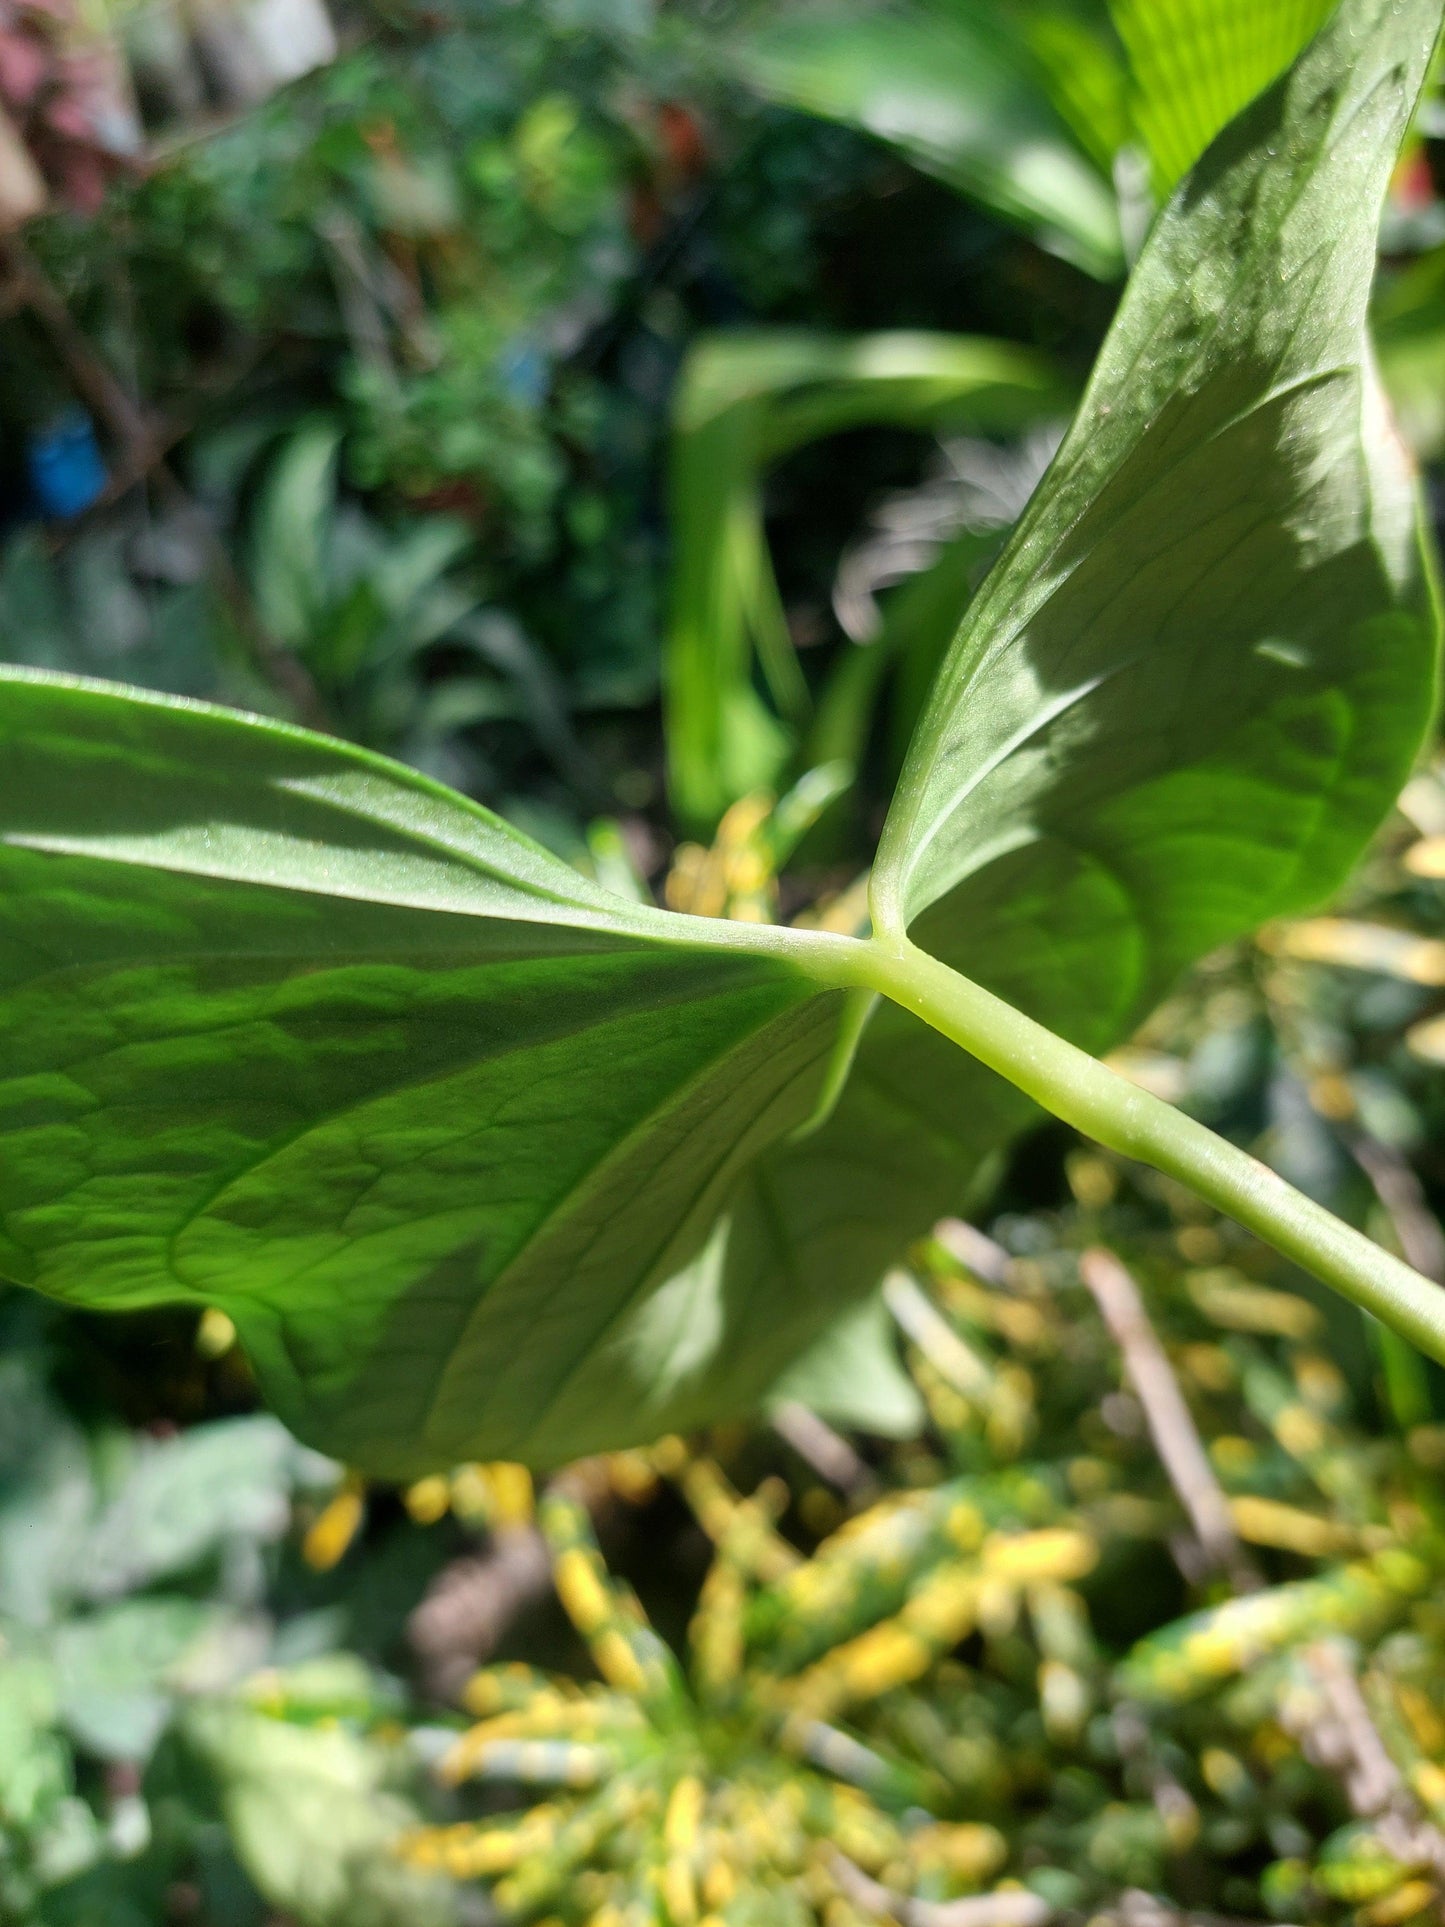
x,y
609,406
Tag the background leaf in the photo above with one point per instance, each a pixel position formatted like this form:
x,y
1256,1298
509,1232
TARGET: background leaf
x,y
746,400
311,1822
961,96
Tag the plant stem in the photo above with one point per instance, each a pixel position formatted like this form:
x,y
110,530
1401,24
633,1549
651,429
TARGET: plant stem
x,y
1107,1107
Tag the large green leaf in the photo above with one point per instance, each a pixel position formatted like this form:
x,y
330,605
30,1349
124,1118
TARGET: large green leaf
x,y
1190,688
290,1030
313,1821
961,95
1196,63
485,1162
746,400
1208,649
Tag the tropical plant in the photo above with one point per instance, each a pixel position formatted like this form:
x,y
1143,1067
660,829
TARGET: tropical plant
x,y
1099,1626
746,400
484,1162
144,1678
1067,118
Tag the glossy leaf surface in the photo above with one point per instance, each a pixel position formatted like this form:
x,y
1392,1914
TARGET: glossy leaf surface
x,y
1028,107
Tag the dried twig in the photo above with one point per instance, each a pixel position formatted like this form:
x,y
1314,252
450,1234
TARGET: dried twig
x,y
1171,1424
1422,1242
826,1451
1338,1733
920,1319
472,1603
973,1250
1008,1907
1135,1908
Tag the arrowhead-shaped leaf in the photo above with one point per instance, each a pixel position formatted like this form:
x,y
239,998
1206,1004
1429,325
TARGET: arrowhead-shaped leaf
x,y
1190,688
486,1163
1210,647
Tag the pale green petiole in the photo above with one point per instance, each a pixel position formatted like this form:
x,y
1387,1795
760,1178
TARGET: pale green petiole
x,y
1116,1113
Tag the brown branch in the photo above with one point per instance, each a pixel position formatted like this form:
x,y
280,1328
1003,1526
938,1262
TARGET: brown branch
x,y
473,1602
1340,1735
977,1253
1422,1242
142,445
1171,1424
922,1322
1135,1908
826,1451
1008,1907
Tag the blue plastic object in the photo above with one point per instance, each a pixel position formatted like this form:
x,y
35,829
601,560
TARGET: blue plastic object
x,y
67,470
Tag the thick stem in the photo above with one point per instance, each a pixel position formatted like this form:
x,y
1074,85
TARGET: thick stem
x,y
1108,1108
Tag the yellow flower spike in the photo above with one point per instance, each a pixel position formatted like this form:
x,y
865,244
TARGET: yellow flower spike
x,y
1413,1898
1060,1553
512,1687
632,1476
215,1334
1065,1700
745,1526
1233,1302
694,883
1269,1522
582,1590
513,1498
679,1894
471,1494
684,1814
428,1500
1320,1382
969,1850
715,1636
421,1847
618,1663
332,1532
1425,1721
1428,1782
1299,1431
669,1455
997,1609
965,1527
719,1885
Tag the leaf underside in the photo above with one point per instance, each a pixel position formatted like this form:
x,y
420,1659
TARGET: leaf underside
x,y
487,1164
287,1031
